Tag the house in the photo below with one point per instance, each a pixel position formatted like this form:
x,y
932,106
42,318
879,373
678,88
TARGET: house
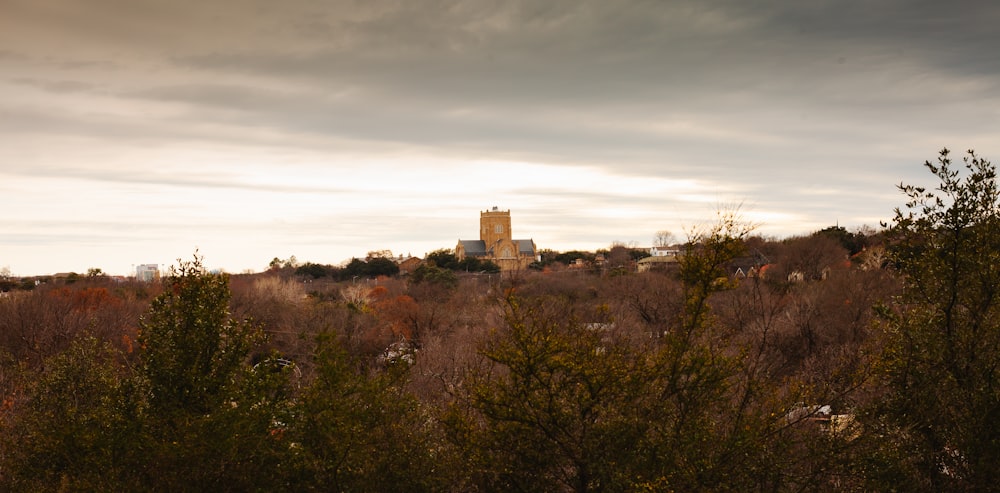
x,y
408,264
664,251
496,243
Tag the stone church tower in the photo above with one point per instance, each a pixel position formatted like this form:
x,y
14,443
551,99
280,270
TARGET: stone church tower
x,y
496,243
494,225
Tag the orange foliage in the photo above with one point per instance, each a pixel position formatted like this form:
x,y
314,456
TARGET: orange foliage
x,y
377,293
401,312
87,299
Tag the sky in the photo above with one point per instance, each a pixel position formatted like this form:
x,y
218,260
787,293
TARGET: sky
x,y
137,131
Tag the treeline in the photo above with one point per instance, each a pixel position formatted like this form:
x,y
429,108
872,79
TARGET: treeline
x,y
377,264
838,361
372,267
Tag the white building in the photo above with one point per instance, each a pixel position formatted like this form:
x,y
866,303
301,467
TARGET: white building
x,y
664,251
147,272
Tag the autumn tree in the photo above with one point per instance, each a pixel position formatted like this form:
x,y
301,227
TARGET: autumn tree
x,y
41,323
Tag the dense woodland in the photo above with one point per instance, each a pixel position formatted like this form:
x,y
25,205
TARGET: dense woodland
x,y
836,361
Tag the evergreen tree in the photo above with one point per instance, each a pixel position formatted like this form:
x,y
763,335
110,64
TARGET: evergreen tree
x,y
941,364
213,421
357,429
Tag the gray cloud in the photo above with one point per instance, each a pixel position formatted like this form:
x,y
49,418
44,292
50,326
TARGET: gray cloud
x,y
812,109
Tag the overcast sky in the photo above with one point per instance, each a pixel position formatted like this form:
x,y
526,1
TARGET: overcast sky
x,y
134,131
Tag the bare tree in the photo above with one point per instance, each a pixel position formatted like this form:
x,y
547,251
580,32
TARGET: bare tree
x,y
663,238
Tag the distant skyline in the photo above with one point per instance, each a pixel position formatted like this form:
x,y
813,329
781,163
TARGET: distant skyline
x,y
136,131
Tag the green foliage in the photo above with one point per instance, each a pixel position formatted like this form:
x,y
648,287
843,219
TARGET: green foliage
x,y
362,432
278,264
703,266
428,273
473,264
553,410
382,267
444,258
941,362
559,405
211,416
638,253
78,431
314,271
852,242
192,349
374,267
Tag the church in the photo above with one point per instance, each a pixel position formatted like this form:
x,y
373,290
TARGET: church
x,y
496,243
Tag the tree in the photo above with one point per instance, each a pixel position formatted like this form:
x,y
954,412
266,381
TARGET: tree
x,y
852,242
941,364
78,431
279,264
618,259
314,271
6,282
378,266
663,238
572,256
473,264
210,416
444,258
191,346
553,407
379,254
810,257
381,266
360,431
438,276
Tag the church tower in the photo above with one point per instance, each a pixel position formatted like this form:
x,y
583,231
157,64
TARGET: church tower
x,y
496,243
494,227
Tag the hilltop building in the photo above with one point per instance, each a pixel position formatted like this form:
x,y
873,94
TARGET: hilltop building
x,y
496,243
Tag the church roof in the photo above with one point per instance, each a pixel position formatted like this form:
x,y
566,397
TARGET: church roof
x,y
526,247
474,248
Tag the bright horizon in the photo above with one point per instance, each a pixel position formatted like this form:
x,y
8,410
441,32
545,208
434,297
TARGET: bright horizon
x,y
252,130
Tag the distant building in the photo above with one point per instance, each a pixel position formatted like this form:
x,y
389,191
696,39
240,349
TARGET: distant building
x,y
147,272
664,251
496,243
407,264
